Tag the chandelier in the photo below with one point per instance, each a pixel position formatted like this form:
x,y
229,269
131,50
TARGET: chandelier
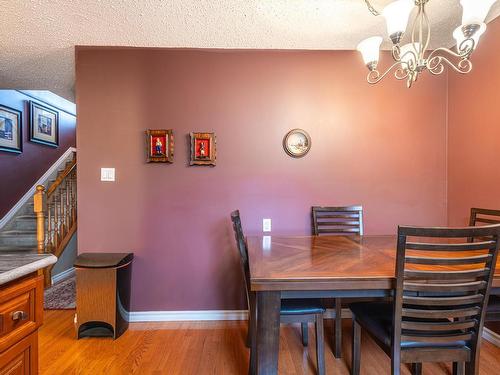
x,y
414,57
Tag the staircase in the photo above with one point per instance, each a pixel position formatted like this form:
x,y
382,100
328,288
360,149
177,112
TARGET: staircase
x,y
49,228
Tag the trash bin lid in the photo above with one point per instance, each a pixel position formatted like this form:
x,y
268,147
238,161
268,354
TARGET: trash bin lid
x,y
102,260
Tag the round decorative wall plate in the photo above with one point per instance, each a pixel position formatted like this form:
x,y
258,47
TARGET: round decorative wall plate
x,y
297,143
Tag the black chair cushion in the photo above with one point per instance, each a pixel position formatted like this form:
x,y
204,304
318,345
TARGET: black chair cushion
x,y
377,317
301,306
493,304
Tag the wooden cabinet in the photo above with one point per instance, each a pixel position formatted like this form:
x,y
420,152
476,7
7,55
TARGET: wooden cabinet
x,y
21,313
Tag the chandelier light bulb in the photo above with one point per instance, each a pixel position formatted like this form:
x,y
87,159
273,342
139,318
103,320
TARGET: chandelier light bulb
x,y
396,15
370,50
475,11
459,35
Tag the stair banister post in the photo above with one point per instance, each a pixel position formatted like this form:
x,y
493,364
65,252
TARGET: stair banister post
x,y
39,204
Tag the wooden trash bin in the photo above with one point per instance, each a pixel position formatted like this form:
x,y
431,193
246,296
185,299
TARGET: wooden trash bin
x,y
102,294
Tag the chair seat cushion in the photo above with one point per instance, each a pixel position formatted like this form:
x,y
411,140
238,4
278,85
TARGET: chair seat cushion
x,y
377,317
301,306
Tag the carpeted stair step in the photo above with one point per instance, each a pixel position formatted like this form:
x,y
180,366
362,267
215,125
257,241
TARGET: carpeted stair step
x,y
23,222
26,249
22,238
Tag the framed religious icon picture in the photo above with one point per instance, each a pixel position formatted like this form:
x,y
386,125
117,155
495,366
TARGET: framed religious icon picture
x,y
160,146
11,127
44,125
203,149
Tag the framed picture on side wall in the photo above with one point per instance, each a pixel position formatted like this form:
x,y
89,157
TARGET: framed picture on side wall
x,y
11,128
44,125
203,149
160,145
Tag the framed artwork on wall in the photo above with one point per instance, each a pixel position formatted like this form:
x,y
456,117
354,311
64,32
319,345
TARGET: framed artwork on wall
x,y
297,143
203,149
44,125
11,128
160,145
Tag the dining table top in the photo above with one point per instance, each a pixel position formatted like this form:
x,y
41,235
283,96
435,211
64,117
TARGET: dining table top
x,y
324,262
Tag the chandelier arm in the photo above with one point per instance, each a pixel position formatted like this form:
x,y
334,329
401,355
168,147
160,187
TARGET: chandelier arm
x,y
374,76
414,27
428,26
372,10
396,52
436,65
465,48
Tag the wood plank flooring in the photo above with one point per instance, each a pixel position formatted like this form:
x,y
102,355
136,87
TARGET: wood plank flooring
x,y
201,348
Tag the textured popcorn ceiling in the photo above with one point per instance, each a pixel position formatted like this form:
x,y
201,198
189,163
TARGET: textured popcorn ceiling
x,y
37,37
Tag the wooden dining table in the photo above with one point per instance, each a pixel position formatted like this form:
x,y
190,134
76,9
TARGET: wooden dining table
x,y
284,267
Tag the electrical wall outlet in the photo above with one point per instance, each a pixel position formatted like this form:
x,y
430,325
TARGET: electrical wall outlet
x,y
107,174
266,243
266,225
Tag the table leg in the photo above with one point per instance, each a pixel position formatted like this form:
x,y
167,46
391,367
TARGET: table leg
x,y
268,332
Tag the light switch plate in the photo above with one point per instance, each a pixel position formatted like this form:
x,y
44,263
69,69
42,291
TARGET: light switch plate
x,y
107,174
266,225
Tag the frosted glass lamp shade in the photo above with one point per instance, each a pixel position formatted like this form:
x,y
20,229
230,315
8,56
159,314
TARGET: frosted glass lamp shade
x,y
370,50
459,35
406,53
396,15
475,11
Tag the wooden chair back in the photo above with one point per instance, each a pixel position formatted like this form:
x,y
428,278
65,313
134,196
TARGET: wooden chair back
x,y
242,249
483,216
337,220
443,284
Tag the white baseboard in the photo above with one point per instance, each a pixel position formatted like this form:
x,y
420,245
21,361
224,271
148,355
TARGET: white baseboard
x,y
187,316
204,315
26,197
63,275
491,336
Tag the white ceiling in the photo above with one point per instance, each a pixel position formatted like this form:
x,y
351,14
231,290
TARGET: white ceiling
x,y
37,37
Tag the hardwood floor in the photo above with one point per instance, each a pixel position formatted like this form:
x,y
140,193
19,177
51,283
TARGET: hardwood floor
x,y
205,348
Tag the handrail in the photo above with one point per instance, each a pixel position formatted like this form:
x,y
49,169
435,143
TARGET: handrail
x,y
61,178
55,210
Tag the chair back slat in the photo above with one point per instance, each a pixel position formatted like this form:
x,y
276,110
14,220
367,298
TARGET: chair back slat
x,y
438,338
439,326
346,220
473,286
443,301
449,275
443,283
440,314
451,247
475,259
242,249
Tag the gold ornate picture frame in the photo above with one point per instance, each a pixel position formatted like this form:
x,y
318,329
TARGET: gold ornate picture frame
x,y
203,149
160,145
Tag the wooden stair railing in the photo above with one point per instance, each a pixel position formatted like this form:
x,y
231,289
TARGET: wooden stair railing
x,y
55,209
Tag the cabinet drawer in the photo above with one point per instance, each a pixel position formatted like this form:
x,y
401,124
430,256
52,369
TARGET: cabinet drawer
x,y
22,358
21,310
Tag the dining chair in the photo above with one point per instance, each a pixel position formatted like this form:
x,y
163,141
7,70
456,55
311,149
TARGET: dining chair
x,y
342,221
303,311
437,313
487,216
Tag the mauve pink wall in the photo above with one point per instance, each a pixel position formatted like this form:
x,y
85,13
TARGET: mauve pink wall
x,y
380,146
474,132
